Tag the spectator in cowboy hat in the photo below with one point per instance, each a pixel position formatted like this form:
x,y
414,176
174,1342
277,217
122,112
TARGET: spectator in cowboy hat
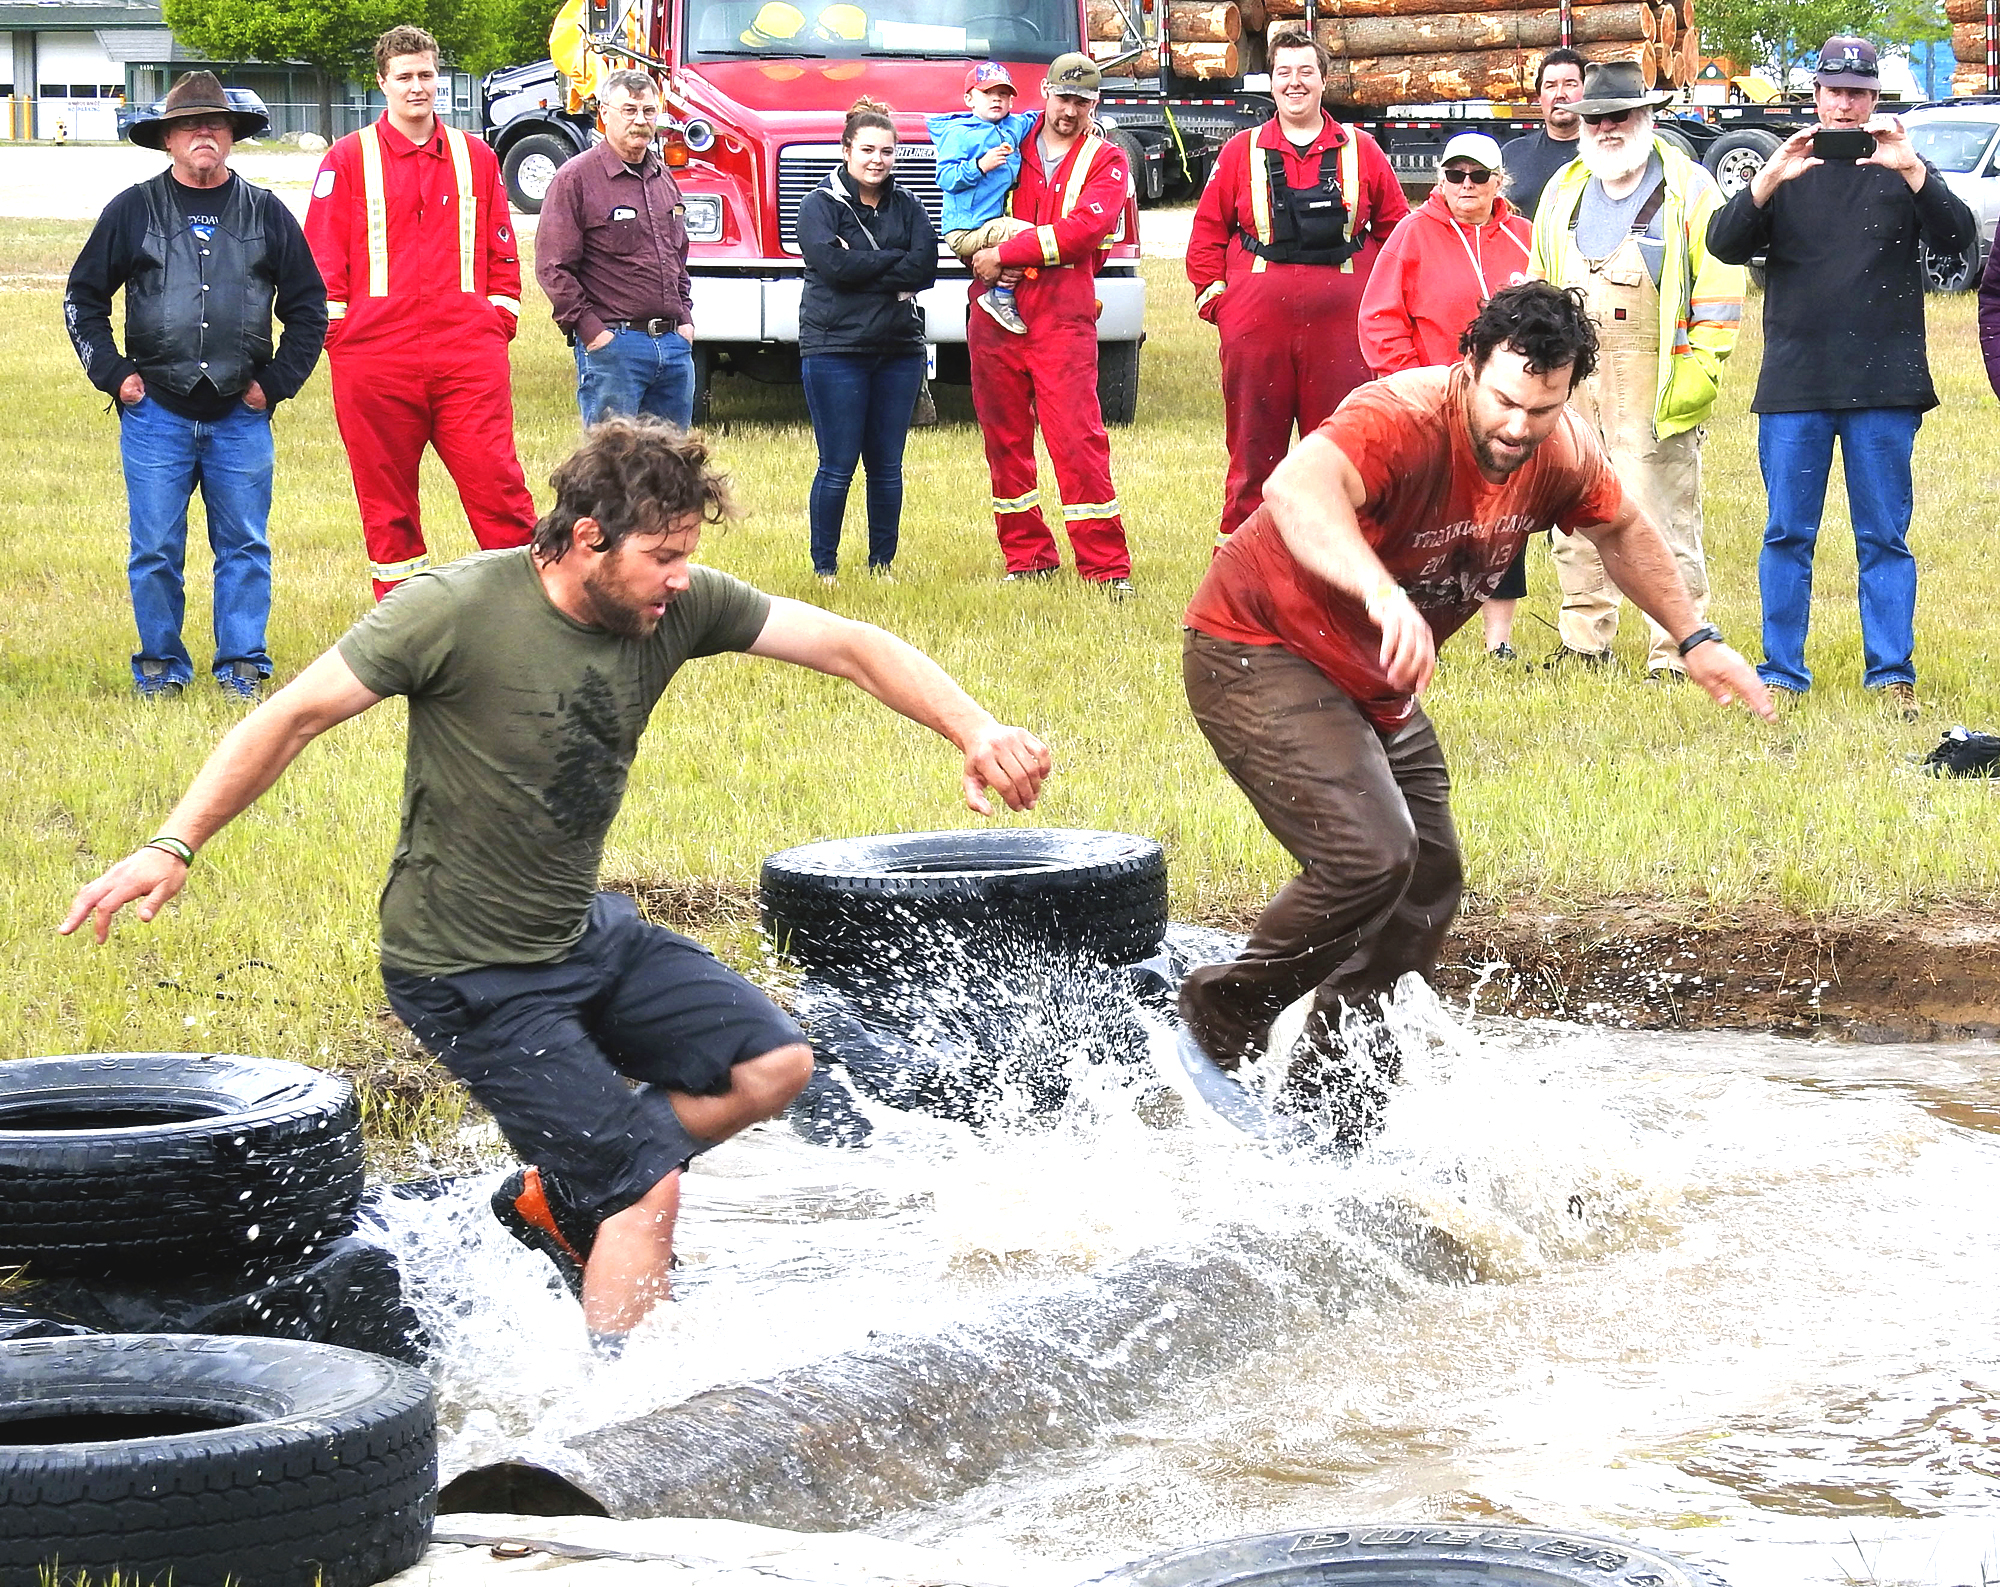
x,y
204,258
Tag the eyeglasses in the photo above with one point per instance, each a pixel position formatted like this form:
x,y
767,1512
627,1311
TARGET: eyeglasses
x,y
1471,175
204,123
1610,118
640,112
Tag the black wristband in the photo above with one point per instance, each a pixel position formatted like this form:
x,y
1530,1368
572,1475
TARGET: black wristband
x,y
1701,636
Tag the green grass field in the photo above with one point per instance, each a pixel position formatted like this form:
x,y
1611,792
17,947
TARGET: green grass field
x,y
1570,790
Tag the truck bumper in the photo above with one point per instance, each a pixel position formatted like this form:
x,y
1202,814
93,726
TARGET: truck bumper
x,y
740,307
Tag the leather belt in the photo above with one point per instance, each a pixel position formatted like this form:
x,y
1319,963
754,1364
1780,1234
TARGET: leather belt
x,y
650,327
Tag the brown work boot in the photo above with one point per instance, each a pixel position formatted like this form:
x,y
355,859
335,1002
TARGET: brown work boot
x,y
1901,699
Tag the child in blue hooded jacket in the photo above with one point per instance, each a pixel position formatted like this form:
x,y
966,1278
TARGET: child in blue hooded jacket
x,y
978,162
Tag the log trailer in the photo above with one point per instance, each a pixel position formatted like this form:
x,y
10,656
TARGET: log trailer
x,y
754,94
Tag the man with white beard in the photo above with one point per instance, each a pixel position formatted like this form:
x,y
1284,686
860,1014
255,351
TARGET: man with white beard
x,y
1627,226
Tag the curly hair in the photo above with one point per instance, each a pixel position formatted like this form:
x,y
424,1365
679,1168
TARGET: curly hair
x,y
404,40
632,476
1548,326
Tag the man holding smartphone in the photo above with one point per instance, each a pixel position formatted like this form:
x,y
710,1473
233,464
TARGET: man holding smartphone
x,y
1841,214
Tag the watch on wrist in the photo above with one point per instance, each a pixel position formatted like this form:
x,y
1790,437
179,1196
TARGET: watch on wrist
x,y
1701,636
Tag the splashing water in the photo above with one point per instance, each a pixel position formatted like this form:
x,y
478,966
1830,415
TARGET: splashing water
x,y
1732,1296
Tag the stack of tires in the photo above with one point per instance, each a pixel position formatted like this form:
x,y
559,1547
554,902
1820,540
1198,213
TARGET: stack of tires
x,y
151,1205
189,1193
947,971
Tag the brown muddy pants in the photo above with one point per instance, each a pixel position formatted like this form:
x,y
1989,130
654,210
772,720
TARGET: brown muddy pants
x,y
1366,813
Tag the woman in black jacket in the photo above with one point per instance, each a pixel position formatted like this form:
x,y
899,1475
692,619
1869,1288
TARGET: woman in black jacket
x,y
869,250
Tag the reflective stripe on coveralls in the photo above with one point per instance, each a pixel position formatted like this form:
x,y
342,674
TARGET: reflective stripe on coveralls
x,y
1348,159
1663,476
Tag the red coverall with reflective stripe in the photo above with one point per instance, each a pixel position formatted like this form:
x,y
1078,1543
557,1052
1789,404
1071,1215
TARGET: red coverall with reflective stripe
x,y
422,304
1291,346
1051,373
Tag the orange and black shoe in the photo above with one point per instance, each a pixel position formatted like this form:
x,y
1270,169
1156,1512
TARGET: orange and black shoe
x,y
538,1212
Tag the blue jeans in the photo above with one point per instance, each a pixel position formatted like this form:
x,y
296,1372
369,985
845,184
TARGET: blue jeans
x,y
1795,451
166,457
860,405
637,373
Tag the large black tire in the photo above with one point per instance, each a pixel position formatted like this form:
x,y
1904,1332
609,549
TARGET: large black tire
x,y
1433,1556
138,1163
1118,381
528,167
858,911
1675,138
1736,157
259,1461
350,1294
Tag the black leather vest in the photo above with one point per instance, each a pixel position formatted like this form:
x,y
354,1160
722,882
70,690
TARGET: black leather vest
x,y
195,309
1308,224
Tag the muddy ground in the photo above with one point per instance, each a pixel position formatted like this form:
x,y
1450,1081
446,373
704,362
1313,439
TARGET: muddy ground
x,y
1639,965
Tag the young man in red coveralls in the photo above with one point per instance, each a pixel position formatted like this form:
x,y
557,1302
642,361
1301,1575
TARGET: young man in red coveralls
x,y
1283,240
1072,188
409,225
1317,628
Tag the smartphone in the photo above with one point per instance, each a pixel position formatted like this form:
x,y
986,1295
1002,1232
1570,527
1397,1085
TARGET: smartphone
x,y
1843,143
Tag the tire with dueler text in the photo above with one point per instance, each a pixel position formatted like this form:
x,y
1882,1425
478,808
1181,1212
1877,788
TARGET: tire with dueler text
x,y
137,1164
859,912
1376,1555
207,1460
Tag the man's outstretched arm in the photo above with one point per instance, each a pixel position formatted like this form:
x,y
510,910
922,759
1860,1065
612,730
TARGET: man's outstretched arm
x,y
1009,760
244,764
1636,557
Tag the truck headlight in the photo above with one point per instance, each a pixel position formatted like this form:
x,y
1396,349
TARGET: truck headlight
x,y
702,213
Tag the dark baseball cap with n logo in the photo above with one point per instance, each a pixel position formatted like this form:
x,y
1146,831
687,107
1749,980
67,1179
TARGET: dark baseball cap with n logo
x,y
1847,62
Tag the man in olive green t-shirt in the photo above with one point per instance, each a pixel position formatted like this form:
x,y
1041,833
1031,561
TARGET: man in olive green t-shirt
x,y
530,675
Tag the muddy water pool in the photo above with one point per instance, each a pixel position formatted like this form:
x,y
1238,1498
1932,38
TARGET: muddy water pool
x,y
1736,1297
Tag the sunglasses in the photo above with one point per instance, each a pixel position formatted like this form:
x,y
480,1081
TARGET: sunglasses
x,y
1471,176
1610,118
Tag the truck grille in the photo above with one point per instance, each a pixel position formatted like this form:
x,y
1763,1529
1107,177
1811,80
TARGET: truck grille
x,y
803,166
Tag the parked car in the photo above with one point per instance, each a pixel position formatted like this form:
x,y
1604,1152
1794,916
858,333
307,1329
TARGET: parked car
x,y
239,99
1962,139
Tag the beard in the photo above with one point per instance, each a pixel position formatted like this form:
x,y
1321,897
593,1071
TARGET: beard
x,y
1612,162
1496,463
617,613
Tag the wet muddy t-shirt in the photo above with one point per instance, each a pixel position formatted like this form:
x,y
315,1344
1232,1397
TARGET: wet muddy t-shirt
x,y
1443,531
523,725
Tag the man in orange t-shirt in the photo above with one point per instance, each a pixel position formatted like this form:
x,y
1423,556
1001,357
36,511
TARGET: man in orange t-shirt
x,y
1317,628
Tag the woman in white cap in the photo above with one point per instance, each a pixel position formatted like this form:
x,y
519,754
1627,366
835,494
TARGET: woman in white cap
x,y
1435,273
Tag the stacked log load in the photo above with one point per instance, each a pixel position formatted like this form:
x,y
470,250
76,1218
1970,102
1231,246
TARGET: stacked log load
x,y
1969,19
1390,52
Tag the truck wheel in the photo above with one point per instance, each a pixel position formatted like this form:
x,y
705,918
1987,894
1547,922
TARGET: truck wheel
x,y
1736,157
169,1163
1951,272
212,1459
529,168
1676,138
1118,381
1376,1556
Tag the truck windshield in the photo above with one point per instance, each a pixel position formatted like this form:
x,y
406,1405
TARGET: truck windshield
x,y
1952,145
1014,30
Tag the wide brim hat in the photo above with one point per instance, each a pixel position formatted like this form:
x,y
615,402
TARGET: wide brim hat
x,y
196,94
1612,86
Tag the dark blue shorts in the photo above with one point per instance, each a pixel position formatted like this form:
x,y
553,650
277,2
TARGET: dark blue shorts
x,y
548,1049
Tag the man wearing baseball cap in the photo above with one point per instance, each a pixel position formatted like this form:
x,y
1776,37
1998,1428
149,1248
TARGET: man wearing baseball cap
x,y
1844,358
1626,224
204,258
1072,190
978,162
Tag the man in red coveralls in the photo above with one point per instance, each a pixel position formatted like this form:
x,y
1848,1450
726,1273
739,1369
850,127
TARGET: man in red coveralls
x,y
1072,188
409,225
1283,240
1317,628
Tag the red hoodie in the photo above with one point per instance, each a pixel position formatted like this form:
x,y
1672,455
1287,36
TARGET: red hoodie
x,y
1430,280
